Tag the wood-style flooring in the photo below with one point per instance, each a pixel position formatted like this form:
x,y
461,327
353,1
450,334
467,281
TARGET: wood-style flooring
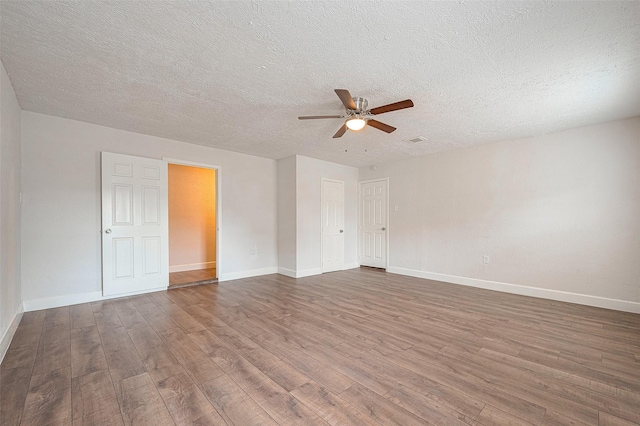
x,y
358,347
199,276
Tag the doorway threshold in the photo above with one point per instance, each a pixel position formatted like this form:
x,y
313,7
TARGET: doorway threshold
x,y
190,278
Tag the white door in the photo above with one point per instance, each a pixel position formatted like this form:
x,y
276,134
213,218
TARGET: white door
x,y
135,230
332,201
372,239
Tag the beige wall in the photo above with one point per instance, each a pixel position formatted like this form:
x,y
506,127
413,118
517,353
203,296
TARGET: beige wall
x,y
558,214
192,218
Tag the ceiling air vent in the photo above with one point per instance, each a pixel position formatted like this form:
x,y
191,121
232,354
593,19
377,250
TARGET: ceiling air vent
x,y
417,139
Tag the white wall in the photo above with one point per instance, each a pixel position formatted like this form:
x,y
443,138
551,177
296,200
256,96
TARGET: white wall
x,y
557,213
299,213
287,216
310,173
61,211
10,294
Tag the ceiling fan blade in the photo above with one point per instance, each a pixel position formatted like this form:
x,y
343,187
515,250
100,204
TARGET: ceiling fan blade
x,y
346,98
392,107
316,117
341,131
380,126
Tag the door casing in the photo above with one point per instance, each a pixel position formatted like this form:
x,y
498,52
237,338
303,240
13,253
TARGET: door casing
x,y
218,169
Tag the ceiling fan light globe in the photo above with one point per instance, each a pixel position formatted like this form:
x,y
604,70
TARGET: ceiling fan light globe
x,y
356,124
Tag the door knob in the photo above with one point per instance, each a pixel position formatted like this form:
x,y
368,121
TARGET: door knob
x,y
384,229
341,231
108,231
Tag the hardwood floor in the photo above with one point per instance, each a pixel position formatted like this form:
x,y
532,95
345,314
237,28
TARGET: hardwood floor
x,y
358,347
199,276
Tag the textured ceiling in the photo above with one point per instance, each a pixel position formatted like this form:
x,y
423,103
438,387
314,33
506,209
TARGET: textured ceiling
x,y
235,75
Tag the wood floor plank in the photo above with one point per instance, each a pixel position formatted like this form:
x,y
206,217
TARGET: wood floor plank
x,y
51,358
157,319
186,403
379,408
84,341
474,386
427,408
33,317
193,360
233,404
491,416
128,314
141,403
271,365
14,386
606,419
82,316
518,382
105,315
49,398
281,405
553,418
122,357
155,355
352,347
57,316
354,369
94,400
53,335
321,373
20,357
330,407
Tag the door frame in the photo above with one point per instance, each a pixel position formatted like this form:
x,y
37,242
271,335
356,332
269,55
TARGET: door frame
x,y
344,195
387,231
218,170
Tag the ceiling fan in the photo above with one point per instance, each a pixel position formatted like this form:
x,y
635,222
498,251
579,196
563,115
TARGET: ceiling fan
x,y
358,115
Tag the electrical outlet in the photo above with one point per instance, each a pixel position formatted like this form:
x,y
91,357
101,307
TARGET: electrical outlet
x,y
254,250
395,208
485,259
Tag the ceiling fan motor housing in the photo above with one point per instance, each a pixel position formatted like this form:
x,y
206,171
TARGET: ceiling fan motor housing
x,y
361,104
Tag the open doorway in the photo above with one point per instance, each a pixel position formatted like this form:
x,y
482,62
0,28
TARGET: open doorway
x,y
192,225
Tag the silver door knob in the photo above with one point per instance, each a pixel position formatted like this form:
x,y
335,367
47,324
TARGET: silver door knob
x,y
384,229
341,231
108,231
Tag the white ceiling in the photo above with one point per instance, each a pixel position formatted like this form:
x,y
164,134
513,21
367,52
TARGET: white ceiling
x,y
235,75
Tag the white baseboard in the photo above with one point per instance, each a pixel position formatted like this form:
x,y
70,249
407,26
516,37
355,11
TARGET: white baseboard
x,y
288,272
76,299
192,266
247,274
562,296
353,265
301,273
7,337
309,272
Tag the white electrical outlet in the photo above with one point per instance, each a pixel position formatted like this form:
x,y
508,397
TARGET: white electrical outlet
x,y
395,208
254,250
485,259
